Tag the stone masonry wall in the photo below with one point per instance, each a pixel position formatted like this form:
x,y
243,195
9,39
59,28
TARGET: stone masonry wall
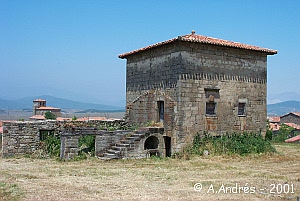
x,y
24,137
156,69
191,115
104,140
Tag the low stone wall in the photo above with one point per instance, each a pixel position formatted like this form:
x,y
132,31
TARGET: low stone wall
x,y
0,143
104,140
21,138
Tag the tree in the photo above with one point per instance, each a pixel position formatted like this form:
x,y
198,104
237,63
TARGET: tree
x,y
50,115
283,133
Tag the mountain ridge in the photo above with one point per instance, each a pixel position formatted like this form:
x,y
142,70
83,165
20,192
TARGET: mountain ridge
x,y
279,109
27,102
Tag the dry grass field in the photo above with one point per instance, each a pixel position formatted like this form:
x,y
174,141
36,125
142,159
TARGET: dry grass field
x,y
155,178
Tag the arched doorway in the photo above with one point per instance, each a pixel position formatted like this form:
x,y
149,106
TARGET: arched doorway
x,y
151,144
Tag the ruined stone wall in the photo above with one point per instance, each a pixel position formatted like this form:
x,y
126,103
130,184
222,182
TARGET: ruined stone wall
x,y
104,140
24,137
0,143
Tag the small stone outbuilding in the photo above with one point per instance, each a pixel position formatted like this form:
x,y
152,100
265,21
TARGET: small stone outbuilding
x,y
195,84
292,117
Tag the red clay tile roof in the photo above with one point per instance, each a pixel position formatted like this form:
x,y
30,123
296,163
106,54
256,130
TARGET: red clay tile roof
x,y
296,126
91,119
37,117
39,100
293,139
47,108
296,113
63,119
274,119
195,38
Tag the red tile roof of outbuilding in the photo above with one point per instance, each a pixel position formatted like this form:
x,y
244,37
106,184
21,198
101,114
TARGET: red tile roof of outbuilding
x,y
37,117
296,126
205,40
39,100
293,139
47,108
274,119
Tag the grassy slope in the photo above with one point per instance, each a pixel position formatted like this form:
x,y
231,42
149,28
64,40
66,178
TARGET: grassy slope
x,y
150,179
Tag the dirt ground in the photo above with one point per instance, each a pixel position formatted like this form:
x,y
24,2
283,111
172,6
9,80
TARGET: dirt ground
x,y
268,177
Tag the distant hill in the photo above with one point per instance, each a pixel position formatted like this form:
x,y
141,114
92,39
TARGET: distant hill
x,y
26,103
282,108
97,111
281,97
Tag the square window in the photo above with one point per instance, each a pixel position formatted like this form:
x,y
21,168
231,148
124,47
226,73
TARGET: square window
x,y
210,108
242,109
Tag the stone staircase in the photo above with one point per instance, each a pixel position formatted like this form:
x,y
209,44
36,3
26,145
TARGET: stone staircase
x,y
127,144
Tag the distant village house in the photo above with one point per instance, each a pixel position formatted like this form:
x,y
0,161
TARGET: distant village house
x,y
40,108
291,119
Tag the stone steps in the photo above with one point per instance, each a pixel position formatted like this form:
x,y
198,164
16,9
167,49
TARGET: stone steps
x,y
111,156
113,151
126,144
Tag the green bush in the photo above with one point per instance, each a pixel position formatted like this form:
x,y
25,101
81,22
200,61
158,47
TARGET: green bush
x,y
269,135
283,133
86,145
236,143
50,115
52,145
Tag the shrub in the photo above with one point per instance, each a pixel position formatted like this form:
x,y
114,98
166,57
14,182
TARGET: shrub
x,y
283,133
86,145
49,115
269,135
52,145
236,143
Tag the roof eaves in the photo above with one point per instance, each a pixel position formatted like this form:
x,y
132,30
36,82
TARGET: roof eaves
x,y
225,43
123,56
204,40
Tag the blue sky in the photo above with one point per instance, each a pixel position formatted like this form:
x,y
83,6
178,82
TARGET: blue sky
x,y
70,48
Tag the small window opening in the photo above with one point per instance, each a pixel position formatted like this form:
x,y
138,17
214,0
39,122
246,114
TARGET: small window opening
x,y
160,105
45,133
242,109
210,108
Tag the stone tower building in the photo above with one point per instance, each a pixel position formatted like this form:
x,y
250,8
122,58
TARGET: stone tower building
x,y
196,84
40,108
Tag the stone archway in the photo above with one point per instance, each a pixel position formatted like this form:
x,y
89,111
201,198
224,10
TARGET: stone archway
x,y
151,142
151,145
